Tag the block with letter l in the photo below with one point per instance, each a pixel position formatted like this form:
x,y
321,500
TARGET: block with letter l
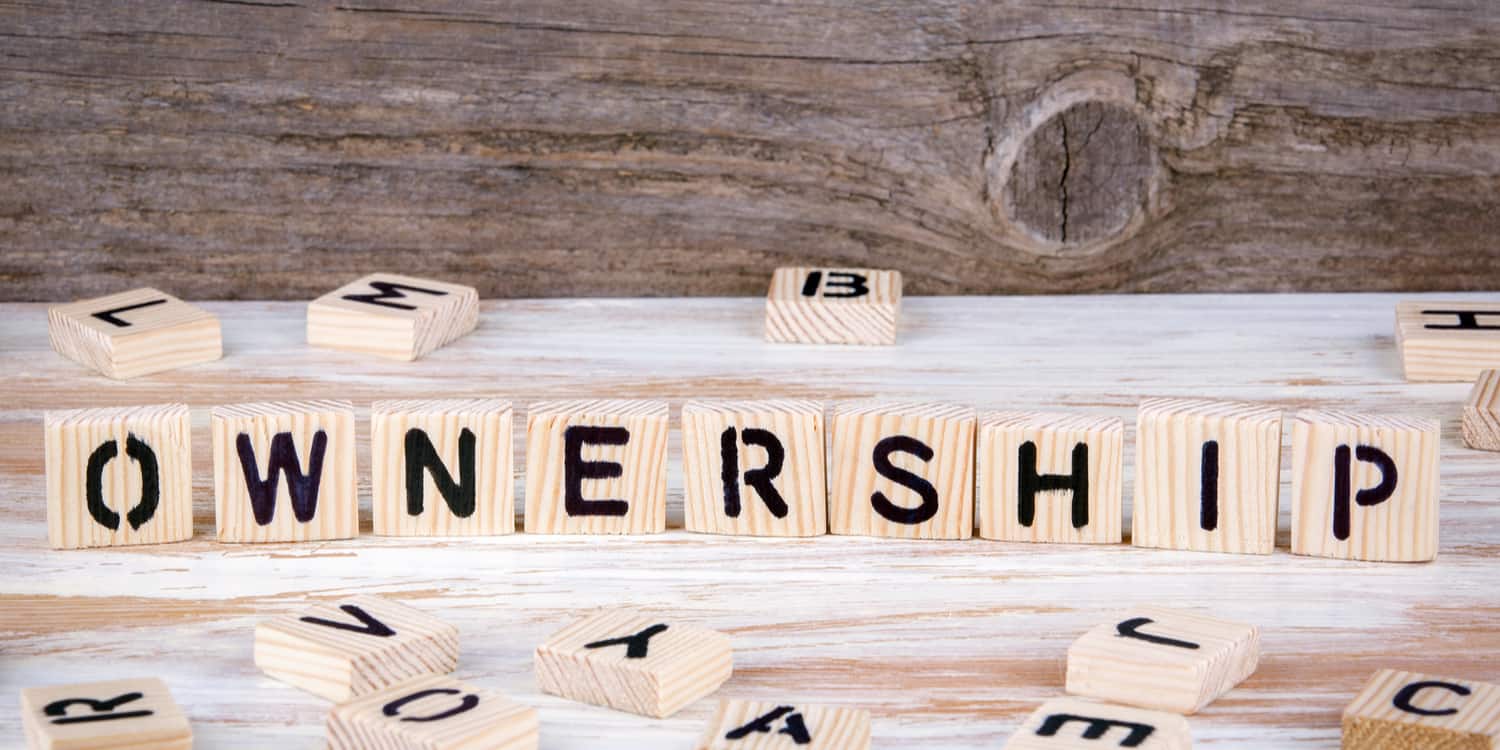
x,y
134,333
393,316
284,471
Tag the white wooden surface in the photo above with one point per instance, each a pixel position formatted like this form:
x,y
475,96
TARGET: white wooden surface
x,y
948,644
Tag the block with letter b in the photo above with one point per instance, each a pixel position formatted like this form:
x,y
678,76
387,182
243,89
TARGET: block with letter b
x,y
442,467
394,316
754,468
903,470
435,712
776,725
1050,477
596,467
284,471
833,306
1400,710
111,715
134,333
1447,341
1074,724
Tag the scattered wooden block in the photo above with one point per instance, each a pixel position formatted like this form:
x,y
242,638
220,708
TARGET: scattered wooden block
x,y
389,315
596,467
833,306
1073,724
754,468
1364,487
134,333
903,470
119,476
354,647
1050,477
1163,659
442,467
110,715
1482,413
1207,476
1410,711
631,662
1447,341
760,725
284,471
435,712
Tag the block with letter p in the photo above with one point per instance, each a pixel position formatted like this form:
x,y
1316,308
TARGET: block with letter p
x,y
394,316
1074,724
442,467
134,333
903,470
833,306
1050,477
284,471
596,467
111,715
754,468
1408,710
435,712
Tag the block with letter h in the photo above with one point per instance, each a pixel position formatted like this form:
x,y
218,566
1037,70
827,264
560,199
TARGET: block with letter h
x,y
134,333
394,316
596,467
754,468
111,715
763,725
1409,710
435,712
903,470
1447,341
1050,477
442,467
284,471
1075,724
833,306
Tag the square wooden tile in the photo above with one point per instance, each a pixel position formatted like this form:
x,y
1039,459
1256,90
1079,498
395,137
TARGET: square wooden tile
x,y
903,470
285,471
1447,341
442,467
754,468
596,467
1481,426
110,715
785,725
1046,477
394,316
833,306
134,333
435,712
1410,711
1075,724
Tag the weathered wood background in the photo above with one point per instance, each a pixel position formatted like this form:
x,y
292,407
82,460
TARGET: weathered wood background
x,y
244,149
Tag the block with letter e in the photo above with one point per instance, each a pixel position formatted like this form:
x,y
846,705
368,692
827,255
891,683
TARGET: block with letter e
x,y
833,306
1447,341
442,467
754,468
1403,710
1075,724
596,467
284,471
134,333
902,470
435,712
111,715
1050,477
394,316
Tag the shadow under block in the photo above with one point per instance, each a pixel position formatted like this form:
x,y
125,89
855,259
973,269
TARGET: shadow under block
x,y
354,647
1076,724
903,470
1409,711
1050,477
1447,341
442,468
774,725
833,306
774,452
134,333
389,315
113,715
284,471
1365,487
596,467
1163,659
632,662
1481,426
435,712
1207,476
118,476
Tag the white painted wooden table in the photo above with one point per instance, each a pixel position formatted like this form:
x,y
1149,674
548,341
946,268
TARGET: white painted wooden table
x,y
949,644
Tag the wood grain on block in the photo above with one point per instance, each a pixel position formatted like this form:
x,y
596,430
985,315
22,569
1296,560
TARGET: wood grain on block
x,y
1160,658
903,470
135,714
117,476
1481,425
1077,724
777,725
1207,475
596,467
754,468
1447,341
634,662
285,471
354,646
134,333
1410,711
434,712
1365,487
442,467
833,306
386,314
1045,477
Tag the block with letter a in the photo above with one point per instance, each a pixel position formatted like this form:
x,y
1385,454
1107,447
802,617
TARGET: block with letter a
x,y
1075,724
111,715
284,471
833,306
394,316
785,725
134,333
1400,710
754,468
435,712
442,467
596,467
1447,341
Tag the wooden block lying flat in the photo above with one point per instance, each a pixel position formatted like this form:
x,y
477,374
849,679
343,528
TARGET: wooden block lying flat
x,y
389,315
632,662
113,715
760,725
903,470
1074,724
1410,711
596,467
754,468
1482,413
1207,476
1448,341
442,468
354,647
435,712
134,333
833,306
119,476
1050,477
284,471
1164,659
1365,487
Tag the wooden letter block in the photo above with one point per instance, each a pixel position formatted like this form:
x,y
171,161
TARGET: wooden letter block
x,y
833,306
1409,711
134,333
394,316
754,468
1365,488
758,725
1482,413
1050,477
1073,724
354,647
112,715
630,662
284,471
1448,341
903,470
435,712
596,467
1207,476
1163,659
119,476
442,468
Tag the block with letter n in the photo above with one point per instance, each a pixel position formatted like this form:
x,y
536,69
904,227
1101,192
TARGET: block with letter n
x,y
111,715
284,471
1076,724
394,316
434,712
442,467
134,333
596,467
833,306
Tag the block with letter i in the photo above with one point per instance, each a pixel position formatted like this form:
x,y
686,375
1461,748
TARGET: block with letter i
x,y
284,471
596,467
1409,711
442,467
776,725
1481,425
833,306
394,316
435,712
1365,487
1050,477
1447,341
1074,724
903,470
754,468
111,715
134,333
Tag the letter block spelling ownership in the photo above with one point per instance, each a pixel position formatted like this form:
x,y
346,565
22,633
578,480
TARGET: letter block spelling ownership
x,y
112,715
833,306
1073,724
1481,425
134,333
433,713
774,725
1050,477
903,470
596,467
1447,341
442,468
754,468
393,316
284,471
1409,711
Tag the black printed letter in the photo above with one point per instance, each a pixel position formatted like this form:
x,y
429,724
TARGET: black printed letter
x,y
575,470
387,290
1097,728
1030,483
1366,497
1468,320
421,454
635,645
1208,481
883,466
103,710
468,703
302,489
757,479
1132,629
1404,697
369,625
795,727
108,316
150,483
